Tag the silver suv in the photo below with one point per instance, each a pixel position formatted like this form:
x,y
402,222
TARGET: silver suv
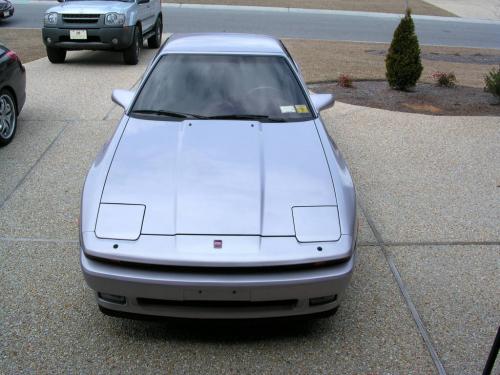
x,y
102,25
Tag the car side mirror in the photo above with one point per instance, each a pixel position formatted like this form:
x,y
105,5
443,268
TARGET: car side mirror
x,y
323,101
60,1
123,98
142,1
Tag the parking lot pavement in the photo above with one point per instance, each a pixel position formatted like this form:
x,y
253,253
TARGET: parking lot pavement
x,y
431,183
47,204
18,160
423,178
79,89
413,175
50,323
457,291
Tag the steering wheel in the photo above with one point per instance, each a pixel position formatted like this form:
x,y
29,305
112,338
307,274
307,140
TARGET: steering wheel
x,y
261,88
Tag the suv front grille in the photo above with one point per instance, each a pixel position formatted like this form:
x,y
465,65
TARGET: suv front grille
x,y
81,18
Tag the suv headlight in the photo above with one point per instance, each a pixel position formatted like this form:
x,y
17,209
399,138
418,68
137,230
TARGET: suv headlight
x,y
114,19
51,18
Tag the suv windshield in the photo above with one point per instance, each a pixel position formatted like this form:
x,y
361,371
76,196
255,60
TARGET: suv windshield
x,y
240,87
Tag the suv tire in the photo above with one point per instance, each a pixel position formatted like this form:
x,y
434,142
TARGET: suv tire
x,y
155,40
56,55
131,54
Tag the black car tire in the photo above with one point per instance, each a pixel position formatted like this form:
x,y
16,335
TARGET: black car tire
x,y
131,54
56,55
155,40
7,99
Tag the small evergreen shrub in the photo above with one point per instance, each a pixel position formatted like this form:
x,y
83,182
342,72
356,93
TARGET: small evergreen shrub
x,y
403,65
344,80
443,79
492,82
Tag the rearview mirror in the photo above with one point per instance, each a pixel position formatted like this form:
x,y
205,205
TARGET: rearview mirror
x,y
323,101
123,98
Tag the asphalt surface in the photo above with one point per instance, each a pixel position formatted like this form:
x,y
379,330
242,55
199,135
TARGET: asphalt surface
x,y
424,293
342,26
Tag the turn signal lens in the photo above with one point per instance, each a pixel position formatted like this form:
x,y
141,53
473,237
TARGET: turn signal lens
x,y
112,298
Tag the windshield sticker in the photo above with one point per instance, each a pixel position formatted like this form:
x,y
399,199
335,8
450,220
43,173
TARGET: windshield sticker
x,y
302,109
288,109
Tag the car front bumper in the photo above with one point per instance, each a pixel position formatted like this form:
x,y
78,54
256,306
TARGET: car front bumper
x,y
109,38
188,292
6,13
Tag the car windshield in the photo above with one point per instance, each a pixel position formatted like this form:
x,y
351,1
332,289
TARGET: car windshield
x,y
242,87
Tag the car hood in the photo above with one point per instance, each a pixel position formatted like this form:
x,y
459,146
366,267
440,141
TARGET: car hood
x,y
218,177
91,7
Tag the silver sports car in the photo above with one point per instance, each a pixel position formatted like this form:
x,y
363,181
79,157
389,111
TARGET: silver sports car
x,y
220,194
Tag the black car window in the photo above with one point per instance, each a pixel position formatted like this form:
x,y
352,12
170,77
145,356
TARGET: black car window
x,y
223,86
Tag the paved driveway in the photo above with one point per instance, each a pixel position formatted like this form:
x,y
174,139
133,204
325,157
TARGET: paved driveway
x,y
483,9
429,188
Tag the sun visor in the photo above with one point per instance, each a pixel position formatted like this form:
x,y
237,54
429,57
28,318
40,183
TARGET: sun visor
x,y
316,224
120,221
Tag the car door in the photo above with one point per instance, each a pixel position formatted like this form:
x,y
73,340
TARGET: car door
x,y
146,14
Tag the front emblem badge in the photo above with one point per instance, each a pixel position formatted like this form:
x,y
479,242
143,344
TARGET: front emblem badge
x,y
217,244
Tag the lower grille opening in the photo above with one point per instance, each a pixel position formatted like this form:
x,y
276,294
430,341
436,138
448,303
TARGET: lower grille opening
x,y
282,304
90,38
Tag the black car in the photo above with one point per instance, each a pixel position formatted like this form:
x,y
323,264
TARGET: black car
x,y
12,93
6,9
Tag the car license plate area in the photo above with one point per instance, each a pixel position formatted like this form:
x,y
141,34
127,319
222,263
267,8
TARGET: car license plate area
x,y
78,34
6,14
216,294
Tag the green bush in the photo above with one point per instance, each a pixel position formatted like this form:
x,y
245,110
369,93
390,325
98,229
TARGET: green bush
x,y
492,82
403,65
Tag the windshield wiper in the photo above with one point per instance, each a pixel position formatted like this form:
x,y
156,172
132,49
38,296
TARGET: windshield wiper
x,y
261,118
160,112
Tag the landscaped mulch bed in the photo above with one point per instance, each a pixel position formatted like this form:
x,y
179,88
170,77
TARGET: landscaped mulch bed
x,y
426,98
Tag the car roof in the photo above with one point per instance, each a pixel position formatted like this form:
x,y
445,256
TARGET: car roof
x,y
222,43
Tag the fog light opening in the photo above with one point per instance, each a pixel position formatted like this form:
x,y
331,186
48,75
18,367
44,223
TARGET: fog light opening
x,y
49,40
112,298
322,300
114,41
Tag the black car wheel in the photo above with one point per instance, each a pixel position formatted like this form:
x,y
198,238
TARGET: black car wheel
x,y
8,117
131,54
56,55
155,40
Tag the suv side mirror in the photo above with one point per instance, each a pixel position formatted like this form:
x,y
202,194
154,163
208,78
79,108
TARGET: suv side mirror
x,y
323,101
123,98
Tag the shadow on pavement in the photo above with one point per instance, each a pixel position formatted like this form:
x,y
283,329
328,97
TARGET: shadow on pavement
x,y
106,57
212,331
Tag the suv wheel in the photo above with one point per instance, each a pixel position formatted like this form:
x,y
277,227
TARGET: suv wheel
x,y
155,40
56,55
131,54
8,117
